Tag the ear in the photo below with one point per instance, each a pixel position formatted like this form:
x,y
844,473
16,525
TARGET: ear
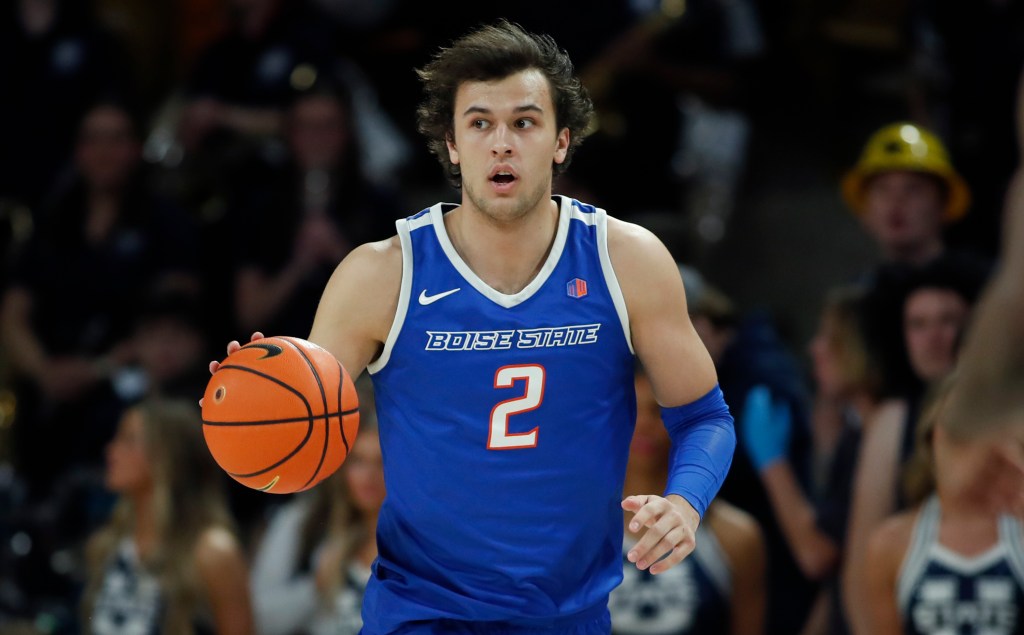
x,y
453,152
561,145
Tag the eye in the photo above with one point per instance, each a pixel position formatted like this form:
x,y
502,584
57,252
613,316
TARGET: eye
x,y
525,123
480,124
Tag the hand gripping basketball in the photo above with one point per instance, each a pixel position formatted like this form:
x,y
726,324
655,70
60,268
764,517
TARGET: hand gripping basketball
x,y
279,414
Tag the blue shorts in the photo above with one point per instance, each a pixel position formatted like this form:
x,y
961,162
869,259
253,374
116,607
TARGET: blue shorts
x,y
599,626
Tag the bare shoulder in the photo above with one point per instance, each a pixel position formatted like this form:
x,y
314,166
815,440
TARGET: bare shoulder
x,y
216,543
217,546
887,416
889,541
645,269
359,303
631,246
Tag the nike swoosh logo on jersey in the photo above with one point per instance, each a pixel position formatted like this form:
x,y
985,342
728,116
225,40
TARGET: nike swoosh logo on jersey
x,y
430,299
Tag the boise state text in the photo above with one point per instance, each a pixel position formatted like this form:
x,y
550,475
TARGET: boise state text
x,y
548,337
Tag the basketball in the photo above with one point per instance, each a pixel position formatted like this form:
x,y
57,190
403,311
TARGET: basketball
x,y
280,415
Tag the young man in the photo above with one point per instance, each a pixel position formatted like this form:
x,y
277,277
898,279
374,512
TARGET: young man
x,y
500,335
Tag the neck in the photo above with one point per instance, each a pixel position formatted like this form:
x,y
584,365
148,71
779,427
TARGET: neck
x,y
916,255
506,255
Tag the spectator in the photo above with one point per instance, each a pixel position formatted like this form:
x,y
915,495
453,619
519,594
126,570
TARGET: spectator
x,y
951,563
748,352
719,588
310,538
167,560
299,214
344,566
936,309
905,191
103,242
846,382
59,60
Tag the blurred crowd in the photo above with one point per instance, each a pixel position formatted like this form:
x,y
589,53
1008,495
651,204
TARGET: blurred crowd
x,y
175,174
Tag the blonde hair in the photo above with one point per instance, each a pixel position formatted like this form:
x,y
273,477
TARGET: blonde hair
x,y
188,499
843,308
919,473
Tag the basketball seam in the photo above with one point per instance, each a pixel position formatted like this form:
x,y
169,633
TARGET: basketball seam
x,y
323,396
309,429
264,422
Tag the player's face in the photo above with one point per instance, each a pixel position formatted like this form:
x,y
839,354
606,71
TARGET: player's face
x,y
650,445
506,141
364,473
903,209
933,320
128,465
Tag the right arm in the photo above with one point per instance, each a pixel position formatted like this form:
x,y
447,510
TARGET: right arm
x,y
358,305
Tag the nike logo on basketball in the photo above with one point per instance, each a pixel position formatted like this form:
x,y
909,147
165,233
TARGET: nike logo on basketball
x,y
273,350
430,299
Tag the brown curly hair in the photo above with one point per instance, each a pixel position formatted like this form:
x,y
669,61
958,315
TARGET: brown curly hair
x,y
494,52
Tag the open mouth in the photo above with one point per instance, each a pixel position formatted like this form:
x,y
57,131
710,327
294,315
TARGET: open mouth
x,y
503,178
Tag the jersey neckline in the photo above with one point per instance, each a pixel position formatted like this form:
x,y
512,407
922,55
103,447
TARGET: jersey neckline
x,y
503,299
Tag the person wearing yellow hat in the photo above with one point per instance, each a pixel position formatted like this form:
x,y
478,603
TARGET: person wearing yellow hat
x,y
905,190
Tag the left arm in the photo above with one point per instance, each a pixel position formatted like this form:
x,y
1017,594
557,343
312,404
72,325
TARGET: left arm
x,y
682,374
224,574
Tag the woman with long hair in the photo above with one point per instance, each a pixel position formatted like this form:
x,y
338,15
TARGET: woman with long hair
x,y
167,560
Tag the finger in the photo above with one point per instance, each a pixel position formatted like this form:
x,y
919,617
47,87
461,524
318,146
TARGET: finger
x,y
634,503
678,554
667,535
256,336
233,346
201,402
214,365
647,513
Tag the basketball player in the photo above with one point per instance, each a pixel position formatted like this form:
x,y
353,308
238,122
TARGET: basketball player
x,y
987,405
500,335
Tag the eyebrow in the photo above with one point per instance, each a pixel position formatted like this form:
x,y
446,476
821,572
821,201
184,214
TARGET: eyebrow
x,y
517,109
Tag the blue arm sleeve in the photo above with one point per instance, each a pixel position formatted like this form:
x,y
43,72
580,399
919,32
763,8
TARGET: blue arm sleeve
x,y
703,442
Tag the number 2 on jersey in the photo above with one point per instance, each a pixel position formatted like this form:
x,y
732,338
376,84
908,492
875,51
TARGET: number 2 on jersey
x,y
498,437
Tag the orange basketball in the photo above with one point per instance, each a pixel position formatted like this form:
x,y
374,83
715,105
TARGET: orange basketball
x,y
280,414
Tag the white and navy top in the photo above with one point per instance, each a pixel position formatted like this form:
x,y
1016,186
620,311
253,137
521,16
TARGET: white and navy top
x,y
692,598
940,592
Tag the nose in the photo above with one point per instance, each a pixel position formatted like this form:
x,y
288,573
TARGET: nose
x,y
501,144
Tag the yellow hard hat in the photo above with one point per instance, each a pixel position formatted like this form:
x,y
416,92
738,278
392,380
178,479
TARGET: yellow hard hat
x,y
905,146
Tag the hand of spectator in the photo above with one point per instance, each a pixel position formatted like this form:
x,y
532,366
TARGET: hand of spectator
x,y
765,428
68,377
318,241
669,526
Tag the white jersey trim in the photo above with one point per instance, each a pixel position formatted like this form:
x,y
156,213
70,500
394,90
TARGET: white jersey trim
x,y
404,226
611,281
502,299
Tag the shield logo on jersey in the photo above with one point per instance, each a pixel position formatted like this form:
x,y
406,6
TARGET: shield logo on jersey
x,y
576,288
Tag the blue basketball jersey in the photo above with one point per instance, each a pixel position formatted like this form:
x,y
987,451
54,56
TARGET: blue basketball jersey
x,y
505,423
941,592
691,598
